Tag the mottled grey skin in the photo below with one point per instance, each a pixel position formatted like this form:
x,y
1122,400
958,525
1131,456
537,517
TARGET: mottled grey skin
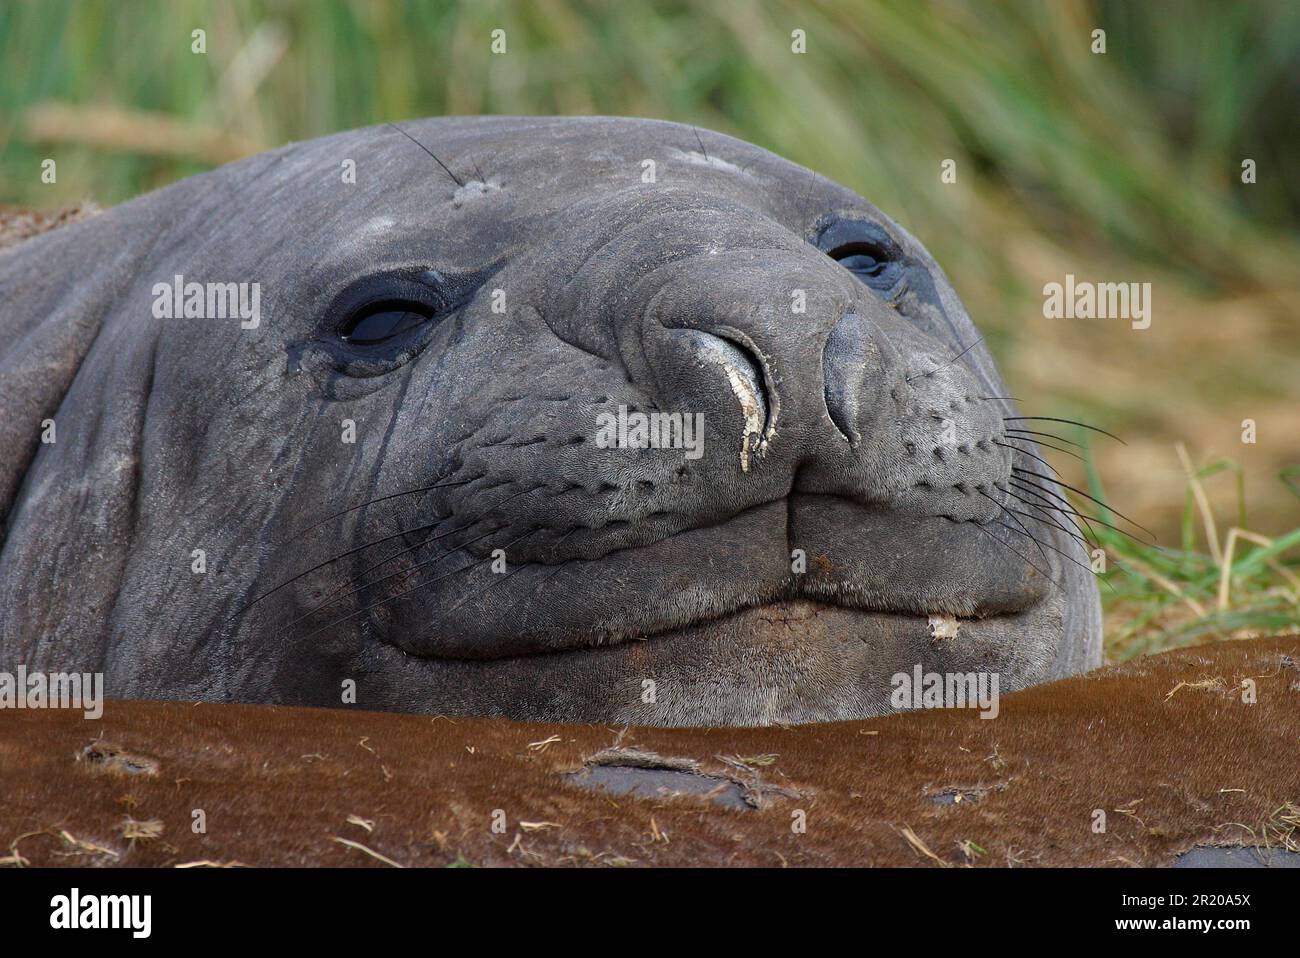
x,y
624,566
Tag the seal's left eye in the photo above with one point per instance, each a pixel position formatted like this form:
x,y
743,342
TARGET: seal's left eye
x,y
867,263
379,322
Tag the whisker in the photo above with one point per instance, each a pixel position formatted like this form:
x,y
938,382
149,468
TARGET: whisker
x,y
330,600
1080,492
367,545
1051,523
430,152
1071,422
1017,522
556,544
1046,444
1068,558
1048,435
949,362
418,585
1051,505
1026,452
1016,554
394,495
1074,530
1091,519
329,561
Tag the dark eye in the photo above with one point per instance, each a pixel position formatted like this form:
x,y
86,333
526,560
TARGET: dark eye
x,y
381,321
867,263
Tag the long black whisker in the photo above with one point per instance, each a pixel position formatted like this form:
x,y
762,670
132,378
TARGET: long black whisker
x,y
1071,422
418,585
1048,435
321,565
1074,530
1051,523
1026,452
1053,506
394,495
367,545
1068,558
1016,554
430,152
1039,442
1090,519
330,599
1080,492
1017,522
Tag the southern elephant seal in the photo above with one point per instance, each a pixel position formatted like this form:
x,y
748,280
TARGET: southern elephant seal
x,y
578,419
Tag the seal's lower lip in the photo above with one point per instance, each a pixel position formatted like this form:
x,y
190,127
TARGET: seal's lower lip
x,y
783,620
864,563
781,615
787,662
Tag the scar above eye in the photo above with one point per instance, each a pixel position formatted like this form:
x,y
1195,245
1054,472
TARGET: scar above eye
x,y
473,189
716,162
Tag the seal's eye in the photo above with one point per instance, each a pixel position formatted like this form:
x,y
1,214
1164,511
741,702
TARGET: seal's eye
x,y
381,321
868,263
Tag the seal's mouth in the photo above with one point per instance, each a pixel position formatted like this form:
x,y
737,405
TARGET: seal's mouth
x,y
876,569
787,662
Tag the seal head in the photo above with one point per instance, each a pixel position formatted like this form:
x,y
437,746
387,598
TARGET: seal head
x,y
590,419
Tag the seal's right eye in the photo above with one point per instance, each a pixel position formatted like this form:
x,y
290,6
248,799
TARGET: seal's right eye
x,y
381,321
391,307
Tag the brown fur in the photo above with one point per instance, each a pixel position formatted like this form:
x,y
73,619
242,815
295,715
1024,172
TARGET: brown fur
x,y
17,224
1173,765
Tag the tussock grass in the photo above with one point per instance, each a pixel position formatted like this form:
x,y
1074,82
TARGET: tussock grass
x,y
1217,582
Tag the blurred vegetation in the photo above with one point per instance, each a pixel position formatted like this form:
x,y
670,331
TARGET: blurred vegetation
x,y
1120,167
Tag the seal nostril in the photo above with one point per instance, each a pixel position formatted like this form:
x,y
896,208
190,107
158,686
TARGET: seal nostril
x,y
730,353
843,368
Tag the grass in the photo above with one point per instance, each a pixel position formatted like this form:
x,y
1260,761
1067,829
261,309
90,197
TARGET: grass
x,y
1216,584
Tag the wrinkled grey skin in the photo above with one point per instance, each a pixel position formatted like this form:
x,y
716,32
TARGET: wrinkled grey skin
x,y
624,567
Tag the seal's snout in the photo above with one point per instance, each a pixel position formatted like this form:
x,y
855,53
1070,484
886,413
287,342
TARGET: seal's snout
x,y
844,397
